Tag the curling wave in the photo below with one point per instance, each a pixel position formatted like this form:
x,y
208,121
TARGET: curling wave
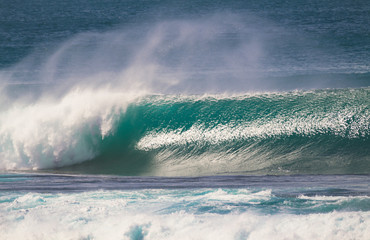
x,y
322,131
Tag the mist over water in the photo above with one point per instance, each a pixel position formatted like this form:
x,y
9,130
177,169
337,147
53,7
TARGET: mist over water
x,y
216,52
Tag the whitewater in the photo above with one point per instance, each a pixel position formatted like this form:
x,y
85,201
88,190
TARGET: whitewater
x,y
219,207
184,120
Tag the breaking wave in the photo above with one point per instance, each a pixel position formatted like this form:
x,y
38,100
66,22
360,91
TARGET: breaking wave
x,y
107,132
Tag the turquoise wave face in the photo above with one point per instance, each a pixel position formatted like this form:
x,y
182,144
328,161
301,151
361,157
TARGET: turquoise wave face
x,y
315,132
301,132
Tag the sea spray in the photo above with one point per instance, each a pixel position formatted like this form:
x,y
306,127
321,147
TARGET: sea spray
x,y
190,55
57,107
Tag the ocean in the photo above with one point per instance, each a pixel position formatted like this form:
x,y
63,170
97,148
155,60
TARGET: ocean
x,y
184,119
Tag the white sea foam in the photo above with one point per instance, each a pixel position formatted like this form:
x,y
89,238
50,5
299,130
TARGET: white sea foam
x,y
140,215
187,226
